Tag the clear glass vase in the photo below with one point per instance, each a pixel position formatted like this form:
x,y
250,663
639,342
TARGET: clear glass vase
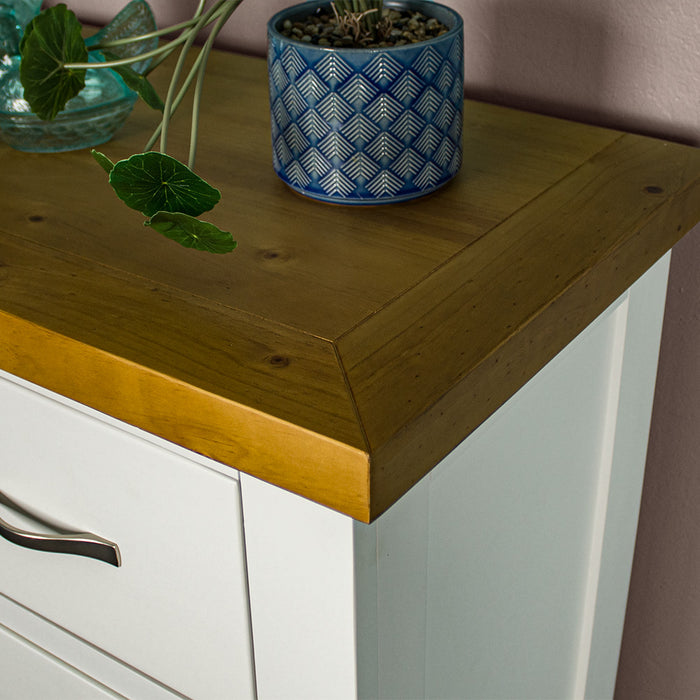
x,y
14,17
94,115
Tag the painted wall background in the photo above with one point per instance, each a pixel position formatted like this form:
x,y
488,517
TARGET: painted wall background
x,y
635,65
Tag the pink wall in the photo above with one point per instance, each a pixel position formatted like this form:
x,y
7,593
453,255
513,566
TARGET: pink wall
x,y
632,64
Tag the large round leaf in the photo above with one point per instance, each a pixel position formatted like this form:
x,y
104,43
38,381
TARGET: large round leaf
x,y
152,182
192,233
52,39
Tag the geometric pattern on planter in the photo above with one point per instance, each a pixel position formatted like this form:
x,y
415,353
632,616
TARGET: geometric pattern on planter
x,y
366,126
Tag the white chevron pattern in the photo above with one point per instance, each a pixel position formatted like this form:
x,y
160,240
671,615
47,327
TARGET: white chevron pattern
x,y
294,101
335,183
278,75
429,176
314,163
429,102
384,146
358,90
384,107
383,69
428,141
428,62
313,125
444,152
386,184
360,167
334,107
333,69
444,116
408,87
297,175
311,86
456,51
335,146
280,116
408,163
445,78
292,61
282,151
359,129
295,139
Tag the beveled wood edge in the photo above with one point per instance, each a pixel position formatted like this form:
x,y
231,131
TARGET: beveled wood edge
x,y
236,355
408,456
369,354
294,458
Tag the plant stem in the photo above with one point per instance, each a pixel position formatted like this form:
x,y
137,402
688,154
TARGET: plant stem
x,y
176,102
129,59
227,11
164,56
214,12
143,37
194,71
191,27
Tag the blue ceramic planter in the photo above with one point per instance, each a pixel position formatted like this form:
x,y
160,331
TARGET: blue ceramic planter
x,y
367,126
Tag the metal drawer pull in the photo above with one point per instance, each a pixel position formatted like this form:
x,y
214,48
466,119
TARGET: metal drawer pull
x,y
83,544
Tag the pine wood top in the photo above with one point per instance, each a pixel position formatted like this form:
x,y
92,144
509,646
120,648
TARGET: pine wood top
x,y
339,352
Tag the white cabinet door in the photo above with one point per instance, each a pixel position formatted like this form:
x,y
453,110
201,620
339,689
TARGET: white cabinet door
x,y
28,673
177,608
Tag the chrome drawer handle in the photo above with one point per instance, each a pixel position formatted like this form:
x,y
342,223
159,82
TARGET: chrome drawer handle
x,y
82,544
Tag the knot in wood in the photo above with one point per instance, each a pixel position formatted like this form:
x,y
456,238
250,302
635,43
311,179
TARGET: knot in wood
x,y
278,361
272,255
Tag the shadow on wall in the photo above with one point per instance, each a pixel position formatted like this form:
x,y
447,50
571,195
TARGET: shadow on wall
x,y
591,61
246,31
564,59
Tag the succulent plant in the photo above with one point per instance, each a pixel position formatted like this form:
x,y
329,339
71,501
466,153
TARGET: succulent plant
x,y
359,16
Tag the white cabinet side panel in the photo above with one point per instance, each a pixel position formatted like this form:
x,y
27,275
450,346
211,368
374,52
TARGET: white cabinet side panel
x,y
402,586
644,323
511,514
513,517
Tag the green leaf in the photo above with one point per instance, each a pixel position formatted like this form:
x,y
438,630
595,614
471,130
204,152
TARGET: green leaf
x,y
136,82
25,35
102,160
53,38
152,182
191,232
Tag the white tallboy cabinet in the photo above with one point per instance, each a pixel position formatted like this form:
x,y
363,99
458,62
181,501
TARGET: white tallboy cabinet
x,y
502,574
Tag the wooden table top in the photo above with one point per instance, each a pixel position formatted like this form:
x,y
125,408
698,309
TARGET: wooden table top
x,y
340,352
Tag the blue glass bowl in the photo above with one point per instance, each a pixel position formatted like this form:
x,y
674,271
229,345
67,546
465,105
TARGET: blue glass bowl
x,y
94,115
367,125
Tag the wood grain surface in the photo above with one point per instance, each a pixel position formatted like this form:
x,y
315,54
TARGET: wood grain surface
x,y
340,352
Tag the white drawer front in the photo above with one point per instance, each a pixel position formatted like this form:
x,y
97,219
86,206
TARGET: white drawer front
x,y
28,673
177,608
